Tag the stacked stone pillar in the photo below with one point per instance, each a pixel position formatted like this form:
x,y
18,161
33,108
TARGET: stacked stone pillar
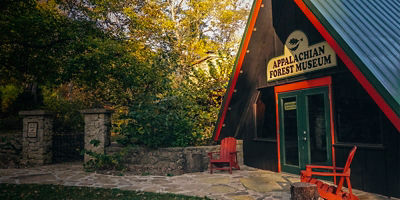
x,y
239,149
97,130
37,135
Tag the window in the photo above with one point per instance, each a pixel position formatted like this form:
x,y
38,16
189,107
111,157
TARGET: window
x,y
358,118
264,114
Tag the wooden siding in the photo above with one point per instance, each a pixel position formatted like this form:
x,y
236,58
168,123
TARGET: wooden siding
x,y
375,167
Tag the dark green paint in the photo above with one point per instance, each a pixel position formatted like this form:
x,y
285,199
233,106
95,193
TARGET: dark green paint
x,y
303,125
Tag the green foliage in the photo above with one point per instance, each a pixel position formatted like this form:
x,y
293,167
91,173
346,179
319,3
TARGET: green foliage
x,y
159,123
95,143
8,94
65,108
34,37
55,192
140,58
101,161
186,113
71,63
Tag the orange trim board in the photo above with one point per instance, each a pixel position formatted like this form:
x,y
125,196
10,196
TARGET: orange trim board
x,y
307,84
332,130
278,142
304,84
391,115
238,67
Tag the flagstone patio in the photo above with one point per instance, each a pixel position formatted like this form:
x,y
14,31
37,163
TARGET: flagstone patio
x,y
245,184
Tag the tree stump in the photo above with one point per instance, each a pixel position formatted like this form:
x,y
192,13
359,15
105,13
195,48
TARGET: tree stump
x,y
303,191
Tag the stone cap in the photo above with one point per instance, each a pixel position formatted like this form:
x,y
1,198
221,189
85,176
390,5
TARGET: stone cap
x,y
34,113
96,111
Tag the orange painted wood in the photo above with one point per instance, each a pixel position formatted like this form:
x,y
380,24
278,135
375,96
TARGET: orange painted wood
x,y
239,64
227,156
325,81
331,192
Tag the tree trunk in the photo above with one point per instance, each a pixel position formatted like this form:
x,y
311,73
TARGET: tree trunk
x,y
34,93
303,191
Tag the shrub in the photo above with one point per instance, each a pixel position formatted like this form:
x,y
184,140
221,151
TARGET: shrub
x,y
102,161
159,123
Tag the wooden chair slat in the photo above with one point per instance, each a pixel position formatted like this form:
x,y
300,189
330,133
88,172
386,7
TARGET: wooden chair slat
x,y
331,192
227,156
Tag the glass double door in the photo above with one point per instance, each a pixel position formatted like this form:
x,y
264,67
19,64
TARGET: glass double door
x,y
304,119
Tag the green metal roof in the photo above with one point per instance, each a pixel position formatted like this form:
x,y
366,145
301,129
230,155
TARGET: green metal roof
x,y
369,32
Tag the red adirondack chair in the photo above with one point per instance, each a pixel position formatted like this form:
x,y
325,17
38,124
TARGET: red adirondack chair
x,y
227,158
327,191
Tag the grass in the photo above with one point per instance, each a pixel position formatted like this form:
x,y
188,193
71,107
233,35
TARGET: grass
x,y
59,192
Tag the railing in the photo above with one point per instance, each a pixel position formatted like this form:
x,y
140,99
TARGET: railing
x,y
67,146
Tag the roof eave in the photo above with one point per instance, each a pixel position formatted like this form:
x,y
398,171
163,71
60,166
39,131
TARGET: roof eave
x,y
353,63
237,67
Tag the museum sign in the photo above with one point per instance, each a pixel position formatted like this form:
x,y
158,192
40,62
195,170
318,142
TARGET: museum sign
x,y
300,58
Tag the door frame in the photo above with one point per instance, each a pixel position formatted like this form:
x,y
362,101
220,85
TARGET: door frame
x,y
307,84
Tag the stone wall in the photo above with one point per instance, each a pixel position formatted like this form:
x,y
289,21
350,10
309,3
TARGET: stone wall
x,y
169,161
10,149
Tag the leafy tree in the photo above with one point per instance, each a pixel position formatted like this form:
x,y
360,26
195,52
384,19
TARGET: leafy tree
x,y
138,57
72,60
182,32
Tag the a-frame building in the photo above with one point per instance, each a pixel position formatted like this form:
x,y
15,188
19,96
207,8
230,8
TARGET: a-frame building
x,y
311,79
